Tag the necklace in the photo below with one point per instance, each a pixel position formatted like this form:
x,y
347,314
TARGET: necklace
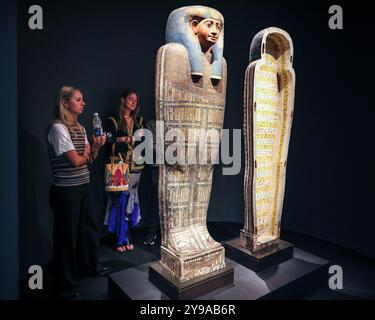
x,y
129,127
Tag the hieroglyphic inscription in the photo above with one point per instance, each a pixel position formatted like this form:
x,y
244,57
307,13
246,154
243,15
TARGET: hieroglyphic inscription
x,y
266,124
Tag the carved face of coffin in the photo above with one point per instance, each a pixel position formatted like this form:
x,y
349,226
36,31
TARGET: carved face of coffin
x,y
207,31
191,26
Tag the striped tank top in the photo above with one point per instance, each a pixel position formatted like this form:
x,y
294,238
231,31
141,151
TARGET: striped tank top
x,y
64,173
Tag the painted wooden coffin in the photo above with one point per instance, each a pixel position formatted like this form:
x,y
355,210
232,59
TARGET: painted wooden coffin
x,y
190,93
268,112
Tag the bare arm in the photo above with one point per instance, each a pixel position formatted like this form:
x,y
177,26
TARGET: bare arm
x,y
98,142
75,159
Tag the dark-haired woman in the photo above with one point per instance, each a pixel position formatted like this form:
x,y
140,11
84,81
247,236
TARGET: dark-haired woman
x,y
126,129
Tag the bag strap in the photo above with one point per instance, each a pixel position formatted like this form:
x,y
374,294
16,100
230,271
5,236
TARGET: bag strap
x,y
113,155
114,144
120,156
113,149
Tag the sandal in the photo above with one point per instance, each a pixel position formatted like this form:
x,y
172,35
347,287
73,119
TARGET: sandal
x,y
120,249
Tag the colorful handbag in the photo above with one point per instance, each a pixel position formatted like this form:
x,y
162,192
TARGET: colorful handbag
x,y
116,174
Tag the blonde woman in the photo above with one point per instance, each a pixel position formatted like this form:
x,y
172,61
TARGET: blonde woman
x,y
76,240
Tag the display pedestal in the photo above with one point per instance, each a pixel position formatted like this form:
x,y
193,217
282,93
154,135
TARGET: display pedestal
x,y
191,289
292,279
262,259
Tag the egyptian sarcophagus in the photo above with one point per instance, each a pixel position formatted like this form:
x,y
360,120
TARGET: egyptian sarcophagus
x,y
268,113
190,98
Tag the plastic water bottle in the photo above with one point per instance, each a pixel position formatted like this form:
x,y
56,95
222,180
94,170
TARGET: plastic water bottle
x,y
97,125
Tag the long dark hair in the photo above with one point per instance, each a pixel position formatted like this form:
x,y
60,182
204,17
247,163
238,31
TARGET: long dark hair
x,y
133,114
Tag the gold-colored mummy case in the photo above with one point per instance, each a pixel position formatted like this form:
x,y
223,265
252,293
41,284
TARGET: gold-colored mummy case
x,y
190,93
268,112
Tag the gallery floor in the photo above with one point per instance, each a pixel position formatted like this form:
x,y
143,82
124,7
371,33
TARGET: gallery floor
x,y
358,270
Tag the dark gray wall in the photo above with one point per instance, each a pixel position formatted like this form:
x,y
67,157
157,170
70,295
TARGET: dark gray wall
x,y
104,46
9,254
